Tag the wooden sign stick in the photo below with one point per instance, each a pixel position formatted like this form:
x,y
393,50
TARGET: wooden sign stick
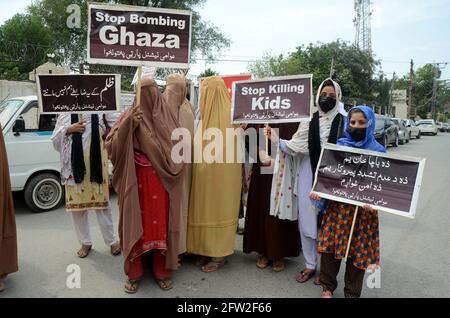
x,y
351,234
138,88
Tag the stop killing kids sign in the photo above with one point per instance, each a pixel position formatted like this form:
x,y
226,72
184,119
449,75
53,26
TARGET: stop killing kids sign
x,y
273,100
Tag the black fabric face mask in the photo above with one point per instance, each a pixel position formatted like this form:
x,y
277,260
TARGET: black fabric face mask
x,y
357,134
326,104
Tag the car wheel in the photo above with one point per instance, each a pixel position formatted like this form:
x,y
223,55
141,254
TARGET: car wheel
x,y
43,193
385,142
396,142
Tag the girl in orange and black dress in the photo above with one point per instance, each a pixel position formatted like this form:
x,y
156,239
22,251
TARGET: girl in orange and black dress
x,y
337,221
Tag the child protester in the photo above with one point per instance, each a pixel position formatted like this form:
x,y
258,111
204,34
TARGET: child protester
x,y
338,219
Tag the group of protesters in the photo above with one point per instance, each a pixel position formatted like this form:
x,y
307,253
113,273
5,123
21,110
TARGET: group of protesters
x,y
169,209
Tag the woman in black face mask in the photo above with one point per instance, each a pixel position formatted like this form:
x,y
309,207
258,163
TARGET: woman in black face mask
x,y
327,99
303,152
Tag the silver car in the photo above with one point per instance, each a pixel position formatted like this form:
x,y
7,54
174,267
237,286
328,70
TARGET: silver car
x,y
446,127
413,130
403,135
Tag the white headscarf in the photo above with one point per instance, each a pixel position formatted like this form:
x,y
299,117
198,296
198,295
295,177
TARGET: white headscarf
x,y
299,142
284,204
337,109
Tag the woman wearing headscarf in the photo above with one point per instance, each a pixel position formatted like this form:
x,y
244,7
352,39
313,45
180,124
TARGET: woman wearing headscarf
x,y
272,238
337,222
175,95
84,172
216,187
296,166
149,188
8,236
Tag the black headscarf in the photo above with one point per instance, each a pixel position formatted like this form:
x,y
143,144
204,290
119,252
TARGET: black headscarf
x,y
77,153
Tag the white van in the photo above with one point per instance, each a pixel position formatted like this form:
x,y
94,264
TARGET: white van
x,y
34,164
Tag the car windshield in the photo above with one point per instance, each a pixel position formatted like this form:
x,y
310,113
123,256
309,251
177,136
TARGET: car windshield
x,y
380,124
8,109
425,122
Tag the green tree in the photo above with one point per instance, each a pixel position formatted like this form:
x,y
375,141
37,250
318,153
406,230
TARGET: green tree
x,y
24,44
206,38
353,68
271,66
208,72
382,93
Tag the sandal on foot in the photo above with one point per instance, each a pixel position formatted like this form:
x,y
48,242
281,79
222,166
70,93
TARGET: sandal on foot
x,y
305,276
131,286
84,251
165,284
212,267
278,266
201,261
262,262
317,281
116,249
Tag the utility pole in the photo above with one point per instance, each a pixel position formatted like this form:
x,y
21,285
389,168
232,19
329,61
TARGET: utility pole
x,y
411,108
332,68
390,95
437,69
434,98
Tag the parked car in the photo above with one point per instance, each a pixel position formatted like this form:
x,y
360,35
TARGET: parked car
x,y
446,127
33,162
442,127
412,129
386,132
402,131
428,126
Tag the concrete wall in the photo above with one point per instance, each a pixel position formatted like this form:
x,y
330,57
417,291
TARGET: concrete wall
x,y
399,98
9,89
48,68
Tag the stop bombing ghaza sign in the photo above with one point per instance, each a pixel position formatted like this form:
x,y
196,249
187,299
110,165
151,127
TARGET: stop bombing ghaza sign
x,y
138,36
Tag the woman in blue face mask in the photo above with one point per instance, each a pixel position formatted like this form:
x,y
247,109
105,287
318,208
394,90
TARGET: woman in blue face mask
x,y
337,222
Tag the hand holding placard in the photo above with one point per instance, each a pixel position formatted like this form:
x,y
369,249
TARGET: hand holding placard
x,y
137,117
76,128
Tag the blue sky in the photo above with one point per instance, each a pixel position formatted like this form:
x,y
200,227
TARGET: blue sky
x,y
401,29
